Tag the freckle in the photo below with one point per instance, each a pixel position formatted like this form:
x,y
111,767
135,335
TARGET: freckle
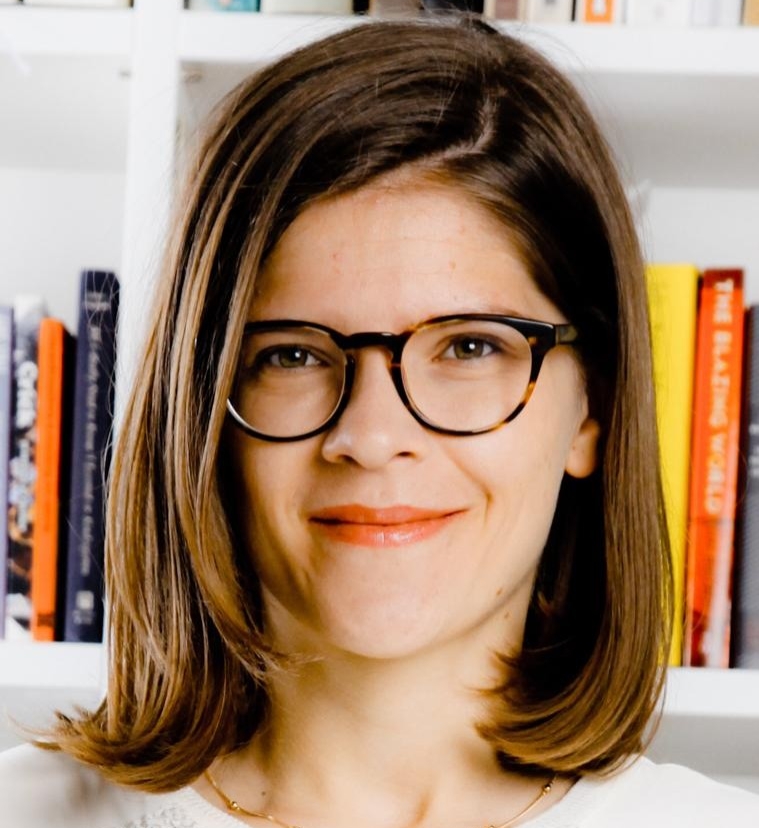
x,y
499,592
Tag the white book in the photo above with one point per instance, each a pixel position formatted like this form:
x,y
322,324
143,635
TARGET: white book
x,y
533,11
717,12
658,12
549,11
307,6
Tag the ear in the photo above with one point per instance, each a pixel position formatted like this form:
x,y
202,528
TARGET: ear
x,y
583,453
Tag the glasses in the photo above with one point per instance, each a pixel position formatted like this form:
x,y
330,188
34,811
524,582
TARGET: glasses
x,y
463,374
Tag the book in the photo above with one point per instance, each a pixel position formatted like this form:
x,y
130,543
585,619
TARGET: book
x,y
744,638
6,411
716,12
714,469
28,312
658,12
51,492
599,11
750,13
672,294
533,11
90,454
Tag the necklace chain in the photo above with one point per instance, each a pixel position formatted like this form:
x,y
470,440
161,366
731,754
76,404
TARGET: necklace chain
x,y
235,807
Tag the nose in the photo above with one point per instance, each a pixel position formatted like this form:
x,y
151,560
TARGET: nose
x,y
375,428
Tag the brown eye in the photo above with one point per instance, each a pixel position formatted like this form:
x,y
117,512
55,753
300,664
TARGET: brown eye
x,y
285,357
468,347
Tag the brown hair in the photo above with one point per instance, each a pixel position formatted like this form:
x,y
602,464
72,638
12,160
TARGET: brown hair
x,y
478,110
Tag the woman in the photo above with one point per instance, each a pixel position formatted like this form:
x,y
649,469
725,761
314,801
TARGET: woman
x,y
386,543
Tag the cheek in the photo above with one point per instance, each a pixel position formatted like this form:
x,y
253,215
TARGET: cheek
x,y
519,470
265,483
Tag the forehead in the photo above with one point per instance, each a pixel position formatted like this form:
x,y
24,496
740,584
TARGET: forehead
x,y
392,254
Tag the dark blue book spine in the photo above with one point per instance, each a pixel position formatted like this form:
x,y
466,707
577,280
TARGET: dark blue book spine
x,y
90,454
28,312
745,622
6,409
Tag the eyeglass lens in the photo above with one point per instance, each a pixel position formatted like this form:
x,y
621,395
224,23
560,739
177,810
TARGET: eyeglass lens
x,y
461,375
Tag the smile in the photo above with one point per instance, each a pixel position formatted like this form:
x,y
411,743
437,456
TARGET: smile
x,y
393,526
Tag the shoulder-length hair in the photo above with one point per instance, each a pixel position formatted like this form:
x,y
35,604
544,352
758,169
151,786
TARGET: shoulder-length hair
x,y
480,111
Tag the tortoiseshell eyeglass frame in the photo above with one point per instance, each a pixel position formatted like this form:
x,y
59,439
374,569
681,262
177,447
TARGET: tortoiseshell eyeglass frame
x,y
540,336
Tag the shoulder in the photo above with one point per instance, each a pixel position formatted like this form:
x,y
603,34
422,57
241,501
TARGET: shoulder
x,y
47,788
665,796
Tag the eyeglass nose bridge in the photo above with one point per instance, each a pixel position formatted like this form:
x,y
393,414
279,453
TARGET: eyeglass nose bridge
x,y
394,343
391,342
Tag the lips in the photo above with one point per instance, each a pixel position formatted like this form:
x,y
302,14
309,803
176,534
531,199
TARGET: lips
x,y
392,526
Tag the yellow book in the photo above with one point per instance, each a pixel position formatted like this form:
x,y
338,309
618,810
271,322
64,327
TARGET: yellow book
x,y
673,299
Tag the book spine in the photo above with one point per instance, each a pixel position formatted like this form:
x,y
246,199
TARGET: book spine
x,y
672,291
658,12
54,350
745,623
6,412
599,11
714,470
90,455
751,13
716,13
28,312
548,11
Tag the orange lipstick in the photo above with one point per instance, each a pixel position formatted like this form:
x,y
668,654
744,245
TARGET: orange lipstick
x,y
392,526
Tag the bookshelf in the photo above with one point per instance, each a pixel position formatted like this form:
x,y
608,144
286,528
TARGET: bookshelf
x,y
94,99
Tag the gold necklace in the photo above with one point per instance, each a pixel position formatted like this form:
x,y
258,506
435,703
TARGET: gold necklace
x,y
236,808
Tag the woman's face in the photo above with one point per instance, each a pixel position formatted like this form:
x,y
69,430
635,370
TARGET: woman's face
x,y
379,537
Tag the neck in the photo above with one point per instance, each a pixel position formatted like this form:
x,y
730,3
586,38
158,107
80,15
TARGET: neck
x,y
388,743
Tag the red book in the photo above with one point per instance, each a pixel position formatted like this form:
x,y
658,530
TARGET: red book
x,y
53,383
714,469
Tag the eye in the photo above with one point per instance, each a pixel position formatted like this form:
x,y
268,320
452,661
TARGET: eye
x,y
468,347
286,357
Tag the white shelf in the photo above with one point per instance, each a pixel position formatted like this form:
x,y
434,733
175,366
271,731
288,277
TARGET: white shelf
x,y
244,37
728,694
711,722
36,679
27,32
240,37
59,666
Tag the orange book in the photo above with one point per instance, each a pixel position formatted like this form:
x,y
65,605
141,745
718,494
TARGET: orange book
x,y
54,381
714,469
598,11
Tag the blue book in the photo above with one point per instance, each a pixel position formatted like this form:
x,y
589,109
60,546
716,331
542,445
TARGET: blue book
x,y
6,408
92,422
28,312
